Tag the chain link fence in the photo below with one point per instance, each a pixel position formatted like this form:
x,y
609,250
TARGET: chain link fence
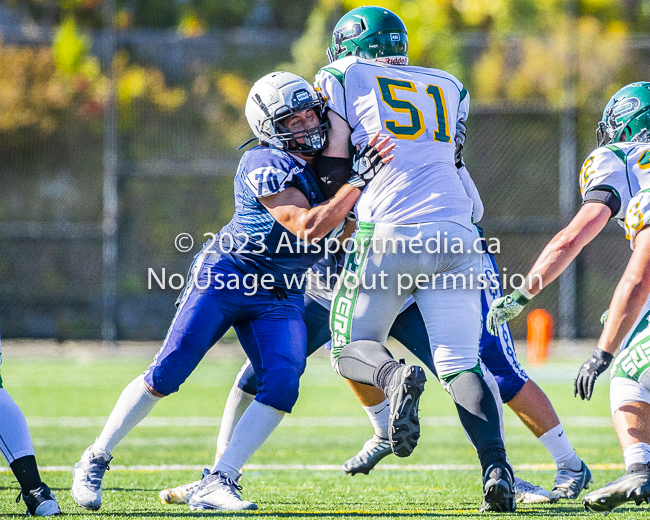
x,y
175,175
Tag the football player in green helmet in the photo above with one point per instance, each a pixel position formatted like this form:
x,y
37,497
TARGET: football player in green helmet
x,y
373,33
626,116
613,184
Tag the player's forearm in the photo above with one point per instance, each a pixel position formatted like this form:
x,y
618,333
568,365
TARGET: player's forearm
x,y
555,258
566,245
629,297
318,221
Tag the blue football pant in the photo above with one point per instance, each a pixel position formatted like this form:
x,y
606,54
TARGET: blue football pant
x,y
272,332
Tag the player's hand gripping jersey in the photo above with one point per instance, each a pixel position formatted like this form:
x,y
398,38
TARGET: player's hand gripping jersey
x,y
419,108
618,175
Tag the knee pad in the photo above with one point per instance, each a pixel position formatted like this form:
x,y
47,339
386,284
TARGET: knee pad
x,y
246,379
279,388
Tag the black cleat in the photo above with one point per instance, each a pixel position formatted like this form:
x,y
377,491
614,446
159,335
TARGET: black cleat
x,y
404,393
631,487
41,502
499,489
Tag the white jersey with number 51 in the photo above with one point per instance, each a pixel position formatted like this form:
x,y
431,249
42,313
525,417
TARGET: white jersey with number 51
x,y
418,108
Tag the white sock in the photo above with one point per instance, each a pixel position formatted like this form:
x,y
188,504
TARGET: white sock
x,y
254,427
237,402
638,453
558,445
134,404
379,415
15,441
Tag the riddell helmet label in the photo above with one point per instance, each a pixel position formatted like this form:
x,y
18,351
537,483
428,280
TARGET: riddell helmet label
x,y
394,60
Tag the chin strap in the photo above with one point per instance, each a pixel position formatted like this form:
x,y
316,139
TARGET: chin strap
x,y
247,143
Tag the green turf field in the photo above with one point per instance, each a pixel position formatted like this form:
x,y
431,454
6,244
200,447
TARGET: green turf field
x,y
67,400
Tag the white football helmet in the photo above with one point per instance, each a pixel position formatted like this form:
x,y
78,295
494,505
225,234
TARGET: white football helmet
x,y
275,97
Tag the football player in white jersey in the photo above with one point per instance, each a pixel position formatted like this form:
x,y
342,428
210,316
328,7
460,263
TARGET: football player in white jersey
x,y
614,183
417,200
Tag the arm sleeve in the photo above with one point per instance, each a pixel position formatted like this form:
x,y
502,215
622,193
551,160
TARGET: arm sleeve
x,y
463,108
472,193
604,195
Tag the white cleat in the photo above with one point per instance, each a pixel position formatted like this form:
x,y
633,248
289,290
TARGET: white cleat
x,y
527,493
180,494
372,452
218,491
87,476
569,483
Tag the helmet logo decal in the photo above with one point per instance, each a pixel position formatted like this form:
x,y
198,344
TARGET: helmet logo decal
x,y
347,32
394,37
622,108
299,98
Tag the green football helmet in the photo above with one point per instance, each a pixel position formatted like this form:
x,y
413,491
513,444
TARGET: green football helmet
x,y
370,32
626,116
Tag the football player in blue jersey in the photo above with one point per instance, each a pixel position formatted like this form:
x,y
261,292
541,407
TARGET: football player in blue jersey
x,y
245,278
17,448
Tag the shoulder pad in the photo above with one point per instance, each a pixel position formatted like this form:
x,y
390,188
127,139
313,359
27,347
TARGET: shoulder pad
x,y
268,171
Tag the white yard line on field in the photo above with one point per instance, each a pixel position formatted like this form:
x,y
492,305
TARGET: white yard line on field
x,y
326,467
288,422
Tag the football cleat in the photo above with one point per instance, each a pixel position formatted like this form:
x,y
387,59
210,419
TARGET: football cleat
x,y
404,393
218,491
568,483
499,488
87,476
372,452
181,494
41,502
631,487
528,493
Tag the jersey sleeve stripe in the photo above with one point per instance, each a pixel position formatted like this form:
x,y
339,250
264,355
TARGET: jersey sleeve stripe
x,y
337,74
618,152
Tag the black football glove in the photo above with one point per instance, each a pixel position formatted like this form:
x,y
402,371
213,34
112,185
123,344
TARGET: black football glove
x,y
589,372
365,166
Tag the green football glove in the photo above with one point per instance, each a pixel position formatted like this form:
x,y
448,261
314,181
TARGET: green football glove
x,y
504,309
603,318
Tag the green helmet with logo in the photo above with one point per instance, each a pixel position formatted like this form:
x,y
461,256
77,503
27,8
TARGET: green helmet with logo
x,y
626,116
370,32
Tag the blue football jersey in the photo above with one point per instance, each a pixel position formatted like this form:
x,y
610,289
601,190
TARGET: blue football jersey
x,y
253,238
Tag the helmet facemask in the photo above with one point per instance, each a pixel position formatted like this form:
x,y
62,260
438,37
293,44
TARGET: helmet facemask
x,y
314,139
